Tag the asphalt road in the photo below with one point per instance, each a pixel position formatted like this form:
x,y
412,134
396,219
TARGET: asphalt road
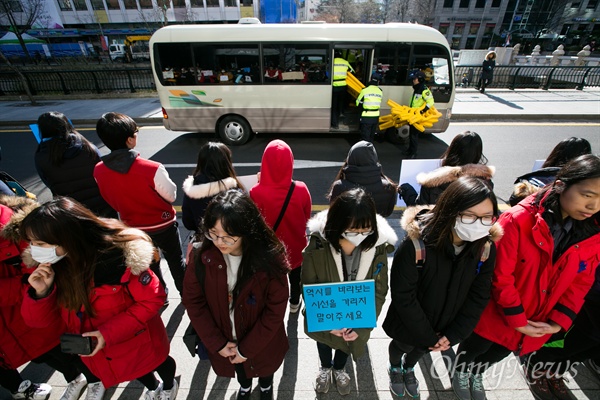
x,y
510,147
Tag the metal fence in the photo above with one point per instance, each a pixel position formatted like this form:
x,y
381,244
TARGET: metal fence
x,y
64,82
531,77
77,81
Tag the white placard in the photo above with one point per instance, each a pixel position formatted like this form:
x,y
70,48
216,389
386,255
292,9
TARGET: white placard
x,y
537,164
409,171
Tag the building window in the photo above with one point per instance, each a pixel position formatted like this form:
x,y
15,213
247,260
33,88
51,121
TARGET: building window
x,y
575,4
146,3
80,5
473,29
97,4
113,4
480,4
65,5
230,3
489,29
14,6
197,3
212,3
130,4
448,3
464,3
496,3
458,29
592,4
179,3
443,28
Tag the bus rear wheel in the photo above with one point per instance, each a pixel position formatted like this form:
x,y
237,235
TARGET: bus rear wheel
x,y
397,135
234,130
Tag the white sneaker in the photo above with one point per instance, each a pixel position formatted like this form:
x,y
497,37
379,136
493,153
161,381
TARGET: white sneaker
x,y
169,394
74,388
323,380
153,394
95,391
32,391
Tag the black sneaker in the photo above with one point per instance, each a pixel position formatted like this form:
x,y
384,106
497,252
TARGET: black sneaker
x,y
244,395
559,389
411,384
538,384
266,394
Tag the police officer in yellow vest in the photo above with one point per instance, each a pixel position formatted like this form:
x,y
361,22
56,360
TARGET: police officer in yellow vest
x,y
370,97
421,95
340,69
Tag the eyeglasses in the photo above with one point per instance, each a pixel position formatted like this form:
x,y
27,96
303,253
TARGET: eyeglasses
x,y
355,234
227,240
471,219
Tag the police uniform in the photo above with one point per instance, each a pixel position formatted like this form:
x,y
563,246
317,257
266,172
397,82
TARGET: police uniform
x,y
421,95
370,97
340,70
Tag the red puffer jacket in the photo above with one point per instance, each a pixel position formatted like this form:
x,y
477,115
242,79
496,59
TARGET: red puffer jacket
x,y
528,286
259,312
126,315
19,343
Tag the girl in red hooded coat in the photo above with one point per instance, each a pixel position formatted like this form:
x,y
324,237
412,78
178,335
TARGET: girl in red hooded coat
x,y
270,194
545,266
94,274
238,307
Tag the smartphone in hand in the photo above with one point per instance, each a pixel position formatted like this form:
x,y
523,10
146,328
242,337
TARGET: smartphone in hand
x,y
71,343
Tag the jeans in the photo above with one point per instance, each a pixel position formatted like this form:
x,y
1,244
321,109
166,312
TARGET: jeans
x,y
169,243
339,358
413,354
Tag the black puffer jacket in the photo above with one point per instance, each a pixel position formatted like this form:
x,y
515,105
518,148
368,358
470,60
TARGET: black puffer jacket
x,y
435,182
446,295
74,177
363,170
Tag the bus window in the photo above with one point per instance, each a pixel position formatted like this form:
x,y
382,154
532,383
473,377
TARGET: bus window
x,y
390,63
428,58
227,63
295,63
175,62
440,71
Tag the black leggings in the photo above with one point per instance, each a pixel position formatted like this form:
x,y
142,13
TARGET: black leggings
x,y
265,382
413,354
477,354
166,371
339,358
295,287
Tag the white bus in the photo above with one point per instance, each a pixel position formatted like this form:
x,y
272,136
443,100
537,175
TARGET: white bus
x,y
241,79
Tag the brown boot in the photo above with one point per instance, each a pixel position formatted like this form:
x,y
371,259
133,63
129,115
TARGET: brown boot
x,y
538,384
559,389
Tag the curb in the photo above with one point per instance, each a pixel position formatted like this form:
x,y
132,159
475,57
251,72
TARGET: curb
x,y
157,121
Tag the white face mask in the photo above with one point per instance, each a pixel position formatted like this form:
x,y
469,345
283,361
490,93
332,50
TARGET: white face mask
x,y
471,232
356,240
45,254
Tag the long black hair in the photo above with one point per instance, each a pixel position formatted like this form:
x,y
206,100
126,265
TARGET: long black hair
x,y
575,171
566,150
462,194
465,148
214,161
261,249
56,126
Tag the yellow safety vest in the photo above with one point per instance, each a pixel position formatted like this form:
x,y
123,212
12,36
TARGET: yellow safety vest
x,y
340,70
418,99
372,96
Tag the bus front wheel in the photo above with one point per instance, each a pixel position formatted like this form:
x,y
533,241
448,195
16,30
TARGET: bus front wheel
x,y
234,130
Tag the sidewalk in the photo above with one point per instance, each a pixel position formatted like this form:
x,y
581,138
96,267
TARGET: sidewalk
x,y
469,105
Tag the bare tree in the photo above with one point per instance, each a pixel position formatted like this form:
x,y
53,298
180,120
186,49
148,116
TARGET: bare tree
x,y
21,77
342,11
370,12
395,10
421,11
20,15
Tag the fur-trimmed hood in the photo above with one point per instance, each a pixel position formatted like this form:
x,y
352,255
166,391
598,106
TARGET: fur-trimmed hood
x,y
413,230
209,189
316,225
21,207
139,253
447,174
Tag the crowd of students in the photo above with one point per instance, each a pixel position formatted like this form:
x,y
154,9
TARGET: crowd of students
x,y
76,277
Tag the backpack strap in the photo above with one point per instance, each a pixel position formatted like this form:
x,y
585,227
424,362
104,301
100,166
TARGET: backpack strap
x,y
285,204
419,252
